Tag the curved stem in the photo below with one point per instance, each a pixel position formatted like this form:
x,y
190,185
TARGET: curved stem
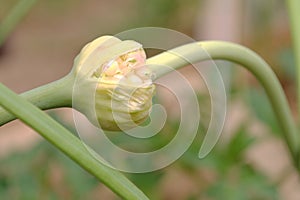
x,y
293,9
241,55
60,137
52,95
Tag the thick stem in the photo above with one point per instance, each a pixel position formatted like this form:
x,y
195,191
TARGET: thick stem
x,y
60,137
52,95
178,57
294,16
58,94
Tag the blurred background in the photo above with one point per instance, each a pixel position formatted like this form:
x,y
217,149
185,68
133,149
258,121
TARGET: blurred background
x,y
250,160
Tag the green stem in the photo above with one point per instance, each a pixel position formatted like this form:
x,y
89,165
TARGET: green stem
x,y
60,137
294,16
14,17
53,95
42,97
248,59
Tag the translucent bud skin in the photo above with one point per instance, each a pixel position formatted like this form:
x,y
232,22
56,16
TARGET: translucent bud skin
x,y
123,85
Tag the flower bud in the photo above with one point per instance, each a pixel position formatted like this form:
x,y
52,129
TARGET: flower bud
x,y
114,87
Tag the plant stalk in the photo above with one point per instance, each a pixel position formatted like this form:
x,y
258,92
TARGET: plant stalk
x,y
294,16
187,54
74,148
52,95
210,50
182,56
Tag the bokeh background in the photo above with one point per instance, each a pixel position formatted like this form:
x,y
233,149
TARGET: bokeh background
x,y
250,160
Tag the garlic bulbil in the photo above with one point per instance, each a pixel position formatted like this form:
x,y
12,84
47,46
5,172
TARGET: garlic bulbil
x,y
115,72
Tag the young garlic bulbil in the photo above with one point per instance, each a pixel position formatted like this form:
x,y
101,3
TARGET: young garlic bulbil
x,y
113,86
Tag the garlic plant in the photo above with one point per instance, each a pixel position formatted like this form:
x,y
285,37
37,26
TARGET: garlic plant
x,y
111,84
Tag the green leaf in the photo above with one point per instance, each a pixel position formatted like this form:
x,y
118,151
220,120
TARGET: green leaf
x,y
60,137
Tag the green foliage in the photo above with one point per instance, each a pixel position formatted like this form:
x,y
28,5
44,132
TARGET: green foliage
x,y
247,184
286,61
43,173
234,177
47,174
148,182
262,109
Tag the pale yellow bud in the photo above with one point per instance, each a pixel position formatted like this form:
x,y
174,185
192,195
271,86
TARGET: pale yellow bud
x,y
122,83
